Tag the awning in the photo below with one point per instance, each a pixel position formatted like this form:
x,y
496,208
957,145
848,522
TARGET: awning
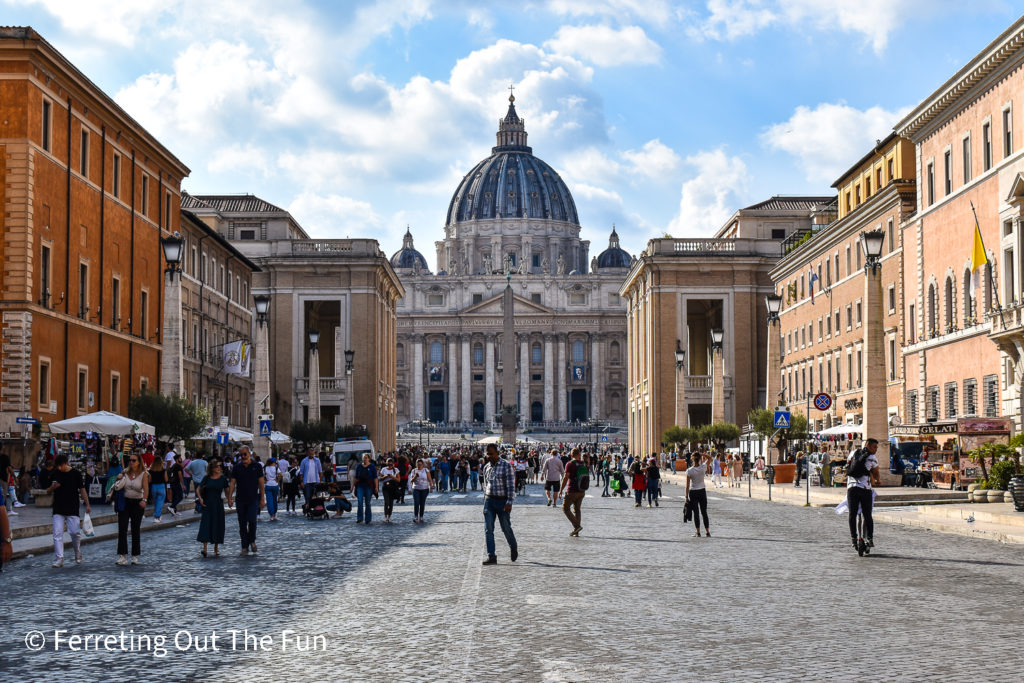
x,y
102,422
234,435
837,430
279,437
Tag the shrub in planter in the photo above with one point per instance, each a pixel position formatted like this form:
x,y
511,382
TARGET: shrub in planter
x,y
1000,473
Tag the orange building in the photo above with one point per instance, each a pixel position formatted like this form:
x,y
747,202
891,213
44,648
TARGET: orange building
x,y
87,194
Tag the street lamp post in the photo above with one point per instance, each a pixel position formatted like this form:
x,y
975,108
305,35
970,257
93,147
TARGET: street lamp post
x,y
171,376
718,378
875,422
773,382
680,379
350,406
314,375
261,384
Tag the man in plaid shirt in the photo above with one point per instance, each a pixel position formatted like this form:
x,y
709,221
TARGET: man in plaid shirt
x,y
499,492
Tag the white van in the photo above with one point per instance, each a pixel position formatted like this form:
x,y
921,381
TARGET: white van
x,y
342,452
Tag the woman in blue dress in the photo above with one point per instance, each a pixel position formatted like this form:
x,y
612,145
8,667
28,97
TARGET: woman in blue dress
x,y
211,526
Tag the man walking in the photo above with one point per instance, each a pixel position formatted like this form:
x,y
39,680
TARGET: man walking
x,y
553,470
499,492
67,487
574,489
247,477
310,471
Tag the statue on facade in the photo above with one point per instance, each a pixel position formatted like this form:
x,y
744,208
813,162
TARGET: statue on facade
x,y
593,265
560,265
453,267
545,266
506,263
488,264
522,267
416,267
465,265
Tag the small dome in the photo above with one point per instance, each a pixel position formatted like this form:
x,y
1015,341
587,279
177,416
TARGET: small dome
x,y
614,256
407,257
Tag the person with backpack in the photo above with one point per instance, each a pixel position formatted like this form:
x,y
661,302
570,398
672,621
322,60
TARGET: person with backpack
x,y
653,475
639,484
575,483
861,473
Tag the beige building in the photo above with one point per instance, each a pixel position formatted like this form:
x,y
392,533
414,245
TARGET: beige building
x,y
216,280
344,288
512,212
677,292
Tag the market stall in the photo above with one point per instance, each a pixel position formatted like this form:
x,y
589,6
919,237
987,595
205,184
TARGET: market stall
x,y
942,448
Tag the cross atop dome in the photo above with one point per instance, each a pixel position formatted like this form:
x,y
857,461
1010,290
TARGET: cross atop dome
x,y
407,240
613,240
512,130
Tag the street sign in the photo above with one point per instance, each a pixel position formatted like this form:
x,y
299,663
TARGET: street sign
x,y
782,420
604,438
265,428
822,402
222,438
224,421
27,420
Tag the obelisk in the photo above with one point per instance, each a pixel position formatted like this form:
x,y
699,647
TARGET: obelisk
x,y
509,413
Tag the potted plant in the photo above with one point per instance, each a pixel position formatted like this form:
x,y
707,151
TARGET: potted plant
x,y
999,476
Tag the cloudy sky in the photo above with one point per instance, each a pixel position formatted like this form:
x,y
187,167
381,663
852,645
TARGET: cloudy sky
x,y
360,117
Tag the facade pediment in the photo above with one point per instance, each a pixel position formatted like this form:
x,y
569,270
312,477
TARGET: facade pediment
x,y
1016,194
520,306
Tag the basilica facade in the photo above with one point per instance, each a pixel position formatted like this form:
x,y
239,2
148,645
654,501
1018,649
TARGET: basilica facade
x,y
512,218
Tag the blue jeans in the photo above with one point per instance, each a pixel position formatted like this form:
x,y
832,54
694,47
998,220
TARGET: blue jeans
x,y
444,481
159,495
639,495
248,512
307,491
419,502
364,494
495,507
652,494
474,478
271,500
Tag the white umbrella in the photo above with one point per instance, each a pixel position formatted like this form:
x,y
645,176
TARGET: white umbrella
x,y
489,439
836,430
102,422
234,435
279,437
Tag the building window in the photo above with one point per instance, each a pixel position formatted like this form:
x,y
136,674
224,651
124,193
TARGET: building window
x,y
535,297
536,261
912,407
436,352
860,369
970,397
849,369
867,187
47,125
892,172
986,146
83,154
966,160
435,299
878,175
44,276
947,163
950,391
83,290
615,352
577,351
890,229
478,354
477,298
778,233
930,184
931,319
115,176
849,317
143,313
912,324
892,298
167,210
115,303
44,384
828,325
892,359
990,391
247,234
849,206
144,199
577,298
849,263
115,392
536,357
613,299
1007,132
860,314
837,321
931,402
83,389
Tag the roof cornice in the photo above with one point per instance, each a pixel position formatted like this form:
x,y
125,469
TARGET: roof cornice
x,y
996,55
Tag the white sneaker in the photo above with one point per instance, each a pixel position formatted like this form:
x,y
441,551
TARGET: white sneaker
x,y
18,504
122,560
59,562
157,520
78,557
135,559
12,514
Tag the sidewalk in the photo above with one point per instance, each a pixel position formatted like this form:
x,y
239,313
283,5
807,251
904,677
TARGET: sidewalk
x,y
936,509
32,527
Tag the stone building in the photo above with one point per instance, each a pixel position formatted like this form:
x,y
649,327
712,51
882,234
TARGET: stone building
x,y
87,194
677,292
343,288
512,213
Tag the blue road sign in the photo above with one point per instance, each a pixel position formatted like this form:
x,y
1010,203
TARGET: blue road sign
x,y
604,438
222,438
265,428
822,401
782,419
27,420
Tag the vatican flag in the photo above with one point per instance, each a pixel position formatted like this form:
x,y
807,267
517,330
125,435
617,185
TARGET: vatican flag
x,y
978,258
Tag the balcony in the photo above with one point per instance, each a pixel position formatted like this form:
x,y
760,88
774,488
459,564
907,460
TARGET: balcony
x,y
698,381
328,385
1007,321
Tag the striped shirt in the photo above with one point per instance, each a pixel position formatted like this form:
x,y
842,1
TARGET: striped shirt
x,y
500,481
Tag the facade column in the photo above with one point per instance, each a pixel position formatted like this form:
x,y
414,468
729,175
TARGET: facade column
x,y
171,366
596,383
467,404
524,377
876,419
549,377
773,383
417,377
261,387
718,385
314,384
453,386
562,387
490,373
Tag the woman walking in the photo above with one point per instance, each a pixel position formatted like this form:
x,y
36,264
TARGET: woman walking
x,y
158,481
696,493
271,488
420,483
653,475
639,484
366,485
389,481
291,486
208,493
131,491
716,471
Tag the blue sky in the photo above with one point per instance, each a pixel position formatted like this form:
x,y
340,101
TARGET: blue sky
x,y
361,117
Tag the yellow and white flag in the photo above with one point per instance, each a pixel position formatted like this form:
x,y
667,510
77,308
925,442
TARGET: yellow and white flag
x,y
978,258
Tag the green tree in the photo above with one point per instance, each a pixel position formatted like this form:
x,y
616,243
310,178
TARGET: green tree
x,y
721,433
310,433
990,451
679,435
174,418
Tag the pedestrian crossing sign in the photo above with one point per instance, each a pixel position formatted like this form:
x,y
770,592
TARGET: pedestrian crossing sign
x,y
265,428
782,419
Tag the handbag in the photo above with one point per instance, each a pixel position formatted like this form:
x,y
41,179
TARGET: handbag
x,y
95,489
687,511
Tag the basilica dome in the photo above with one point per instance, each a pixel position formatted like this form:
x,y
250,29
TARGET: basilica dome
x,y
512,182
407,256
614,256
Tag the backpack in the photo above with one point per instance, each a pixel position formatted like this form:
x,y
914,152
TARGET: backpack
x,y
582,476
858,464
286,478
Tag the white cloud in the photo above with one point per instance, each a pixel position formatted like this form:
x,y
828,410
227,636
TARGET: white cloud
x,y
658,12
240,159
335,216
732,19
654,160
714,194
606,46
114,21
829,138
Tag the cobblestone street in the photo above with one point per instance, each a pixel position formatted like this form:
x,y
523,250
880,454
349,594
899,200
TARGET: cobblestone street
x,y
776,594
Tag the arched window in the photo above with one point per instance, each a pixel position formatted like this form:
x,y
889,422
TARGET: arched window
x,y
967,298
535,354
931,320
478,354
615,351
436,352
950,311
577,351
